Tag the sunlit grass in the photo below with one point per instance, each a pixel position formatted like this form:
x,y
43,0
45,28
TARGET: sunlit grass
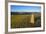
x,y
22,21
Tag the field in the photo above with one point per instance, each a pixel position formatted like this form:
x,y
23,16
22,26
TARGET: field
x,y
23,20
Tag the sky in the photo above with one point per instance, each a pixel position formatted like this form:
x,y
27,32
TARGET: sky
x,y
19,8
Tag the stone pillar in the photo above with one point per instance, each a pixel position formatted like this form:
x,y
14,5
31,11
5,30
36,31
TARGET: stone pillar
x,y
32,18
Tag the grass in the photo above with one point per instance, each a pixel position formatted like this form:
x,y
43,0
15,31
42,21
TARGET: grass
x,y
23,21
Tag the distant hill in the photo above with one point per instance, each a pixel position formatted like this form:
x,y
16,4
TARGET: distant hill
x,y
23,13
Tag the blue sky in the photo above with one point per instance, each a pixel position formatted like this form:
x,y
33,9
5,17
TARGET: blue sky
x,y
19,8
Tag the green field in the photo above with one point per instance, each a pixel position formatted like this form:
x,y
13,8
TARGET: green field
x,y
23,21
